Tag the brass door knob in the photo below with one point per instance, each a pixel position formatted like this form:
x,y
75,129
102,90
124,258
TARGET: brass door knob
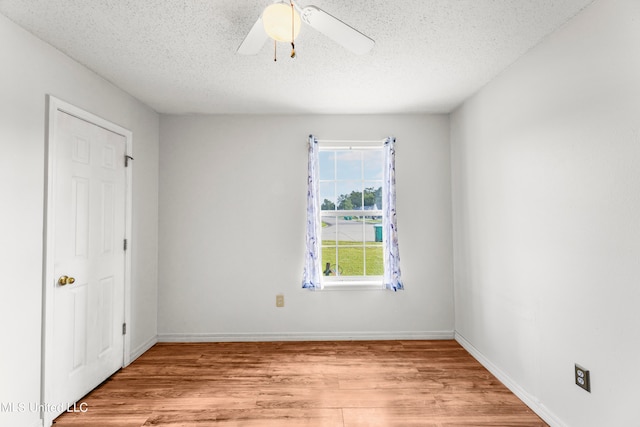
x,y
65,280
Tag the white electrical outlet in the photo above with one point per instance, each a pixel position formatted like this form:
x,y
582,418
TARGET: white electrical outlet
x,y
279,300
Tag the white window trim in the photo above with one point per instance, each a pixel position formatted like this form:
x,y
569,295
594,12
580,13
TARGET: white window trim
x,y
354,286
340,144
350,283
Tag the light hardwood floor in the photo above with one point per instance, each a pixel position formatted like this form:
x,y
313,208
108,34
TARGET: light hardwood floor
x,y
338,383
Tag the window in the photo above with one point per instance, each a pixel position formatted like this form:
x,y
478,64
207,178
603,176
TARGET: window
x,y
351,236
351,214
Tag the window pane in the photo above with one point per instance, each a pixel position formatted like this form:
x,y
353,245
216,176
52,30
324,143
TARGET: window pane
x,y
372,195
350,231
329,261
349,195
373,255
328,231
373,230
326,162
327,196
349,165
372,165
351,261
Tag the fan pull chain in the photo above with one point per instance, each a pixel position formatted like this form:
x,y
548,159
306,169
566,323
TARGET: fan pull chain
x,y
293,46
275,45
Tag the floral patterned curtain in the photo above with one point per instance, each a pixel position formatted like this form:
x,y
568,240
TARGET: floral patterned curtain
x,y
391,254
311,275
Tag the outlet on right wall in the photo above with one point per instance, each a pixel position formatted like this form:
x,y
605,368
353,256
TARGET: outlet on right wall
x,y
546,217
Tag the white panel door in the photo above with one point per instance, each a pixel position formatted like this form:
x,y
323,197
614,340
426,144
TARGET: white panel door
x,y
89,185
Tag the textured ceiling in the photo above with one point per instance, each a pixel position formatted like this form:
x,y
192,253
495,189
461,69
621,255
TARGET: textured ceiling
x,y
179,56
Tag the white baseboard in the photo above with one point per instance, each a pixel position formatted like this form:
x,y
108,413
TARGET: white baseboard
x,y
141,349
304,336
530,400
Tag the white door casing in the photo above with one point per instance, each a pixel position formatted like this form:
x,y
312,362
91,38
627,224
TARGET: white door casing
x,y
87,219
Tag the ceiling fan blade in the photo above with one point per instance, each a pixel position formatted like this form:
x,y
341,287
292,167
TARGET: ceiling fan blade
x,y
337,30
254,41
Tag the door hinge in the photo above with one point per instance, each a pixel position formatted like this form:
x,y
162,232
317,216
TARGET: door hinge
x,y
124,329
126,160
125,244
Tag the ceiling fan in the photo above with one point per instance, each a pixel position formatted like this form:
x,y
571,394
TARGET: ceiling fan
x,y
281,22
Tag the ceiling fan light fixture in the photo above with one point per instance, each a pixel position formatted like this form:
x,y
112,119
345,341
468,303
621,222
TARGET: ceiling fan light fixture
x,y
277,22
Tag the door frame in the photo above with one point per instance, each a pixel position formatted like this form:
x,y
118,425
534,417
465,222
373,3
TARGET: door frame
x,y
53,106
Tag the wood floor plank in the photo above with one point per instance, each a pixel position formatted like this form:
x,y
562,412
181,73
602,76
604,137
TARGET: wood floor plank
x,y
303,398
249,418
423,417
343,383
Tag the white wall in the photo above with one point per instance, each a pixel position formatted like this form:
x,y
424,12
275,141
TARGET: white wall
x,y
546,204
30,70
232,218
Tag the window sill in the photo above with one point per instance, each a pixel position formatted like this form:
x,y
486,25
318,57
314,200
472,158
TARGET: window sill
x,y
353,286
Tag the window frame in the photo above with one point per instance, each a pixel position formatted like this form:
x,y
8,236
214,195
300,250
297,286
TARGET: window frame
x,y
359,282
